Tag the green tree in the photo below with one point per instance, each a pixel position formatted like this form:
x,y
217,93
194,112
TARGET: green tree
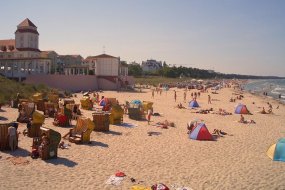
x,y
135,70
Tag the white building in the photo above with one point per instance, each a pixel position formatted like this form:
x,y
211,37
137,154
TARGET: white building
x,y
151,65
21,57
103,65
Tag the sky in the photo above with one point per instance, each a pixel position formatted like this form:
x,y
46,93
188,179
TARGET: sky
x,y
228,36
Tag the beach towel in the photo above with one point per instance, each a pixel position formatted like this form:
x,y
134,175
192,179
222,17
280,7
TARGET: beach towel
x,y
113,180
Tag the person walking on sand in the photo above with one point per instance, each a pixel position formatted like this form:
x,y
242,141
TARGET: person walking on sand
x,y
175,95
184,96
152,93
209,99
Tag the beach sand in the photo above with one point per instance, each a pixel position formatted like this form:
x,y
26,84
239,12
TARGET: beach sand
x,y
231,162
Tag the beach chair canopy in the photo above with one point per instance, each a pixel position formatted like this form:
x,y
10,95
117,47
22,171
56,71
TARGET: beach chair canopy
x,y
241,109
193,104
277,151
200,132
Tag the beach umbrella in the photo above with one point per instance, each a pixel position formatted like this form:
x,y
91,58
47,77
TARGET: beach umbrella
x,y
277,151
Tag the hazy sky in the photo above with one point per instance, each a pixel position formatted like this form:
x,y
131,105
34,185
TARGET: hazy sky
x,y
230,36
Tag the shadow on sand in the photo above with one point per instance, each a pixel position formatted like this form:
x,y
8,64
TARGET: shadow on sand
x,y
18,153
62,161
112,133
95,143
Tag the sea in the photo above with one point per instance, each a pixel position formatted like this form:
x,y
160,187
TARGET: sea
x,y
275,88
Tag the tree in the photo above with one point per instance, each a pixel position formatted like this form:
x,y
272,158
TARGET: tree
x,y
135,70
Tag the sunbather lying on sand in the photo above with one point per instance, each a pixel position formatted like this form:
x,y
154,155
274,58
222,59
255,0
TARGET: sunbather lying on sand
x,y
165,124
222,112
219,133
242,120
204,111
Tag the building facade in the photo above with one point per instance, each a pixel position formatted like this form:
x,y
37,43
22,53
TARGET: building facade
x,y
21,56
103,65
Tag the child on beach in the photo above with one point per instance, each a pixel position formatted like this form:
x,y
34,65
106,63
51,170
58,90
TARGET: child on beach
x,y
209,99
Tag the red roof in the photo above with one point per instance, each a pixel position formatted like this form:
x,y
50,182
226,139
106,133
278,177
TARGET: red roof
x,y
26,22
7,42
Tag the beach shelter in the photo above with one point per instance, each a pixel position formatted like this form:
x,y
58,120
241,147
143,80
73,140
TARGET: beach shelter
x,y
193,104
200,132
241,109
277,151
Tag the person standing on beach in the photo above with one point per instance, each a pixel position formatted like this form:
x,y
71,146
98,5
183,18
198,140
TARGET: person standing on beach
x,y
184,96
152,93
175,95
12,136
149,113
209,99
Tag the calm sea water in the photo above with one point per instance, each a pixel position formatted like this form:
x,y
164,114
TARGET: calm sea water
x,y
273,87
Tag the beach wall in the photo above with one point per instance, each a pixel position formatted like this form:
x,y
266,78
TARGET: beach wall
x,y
76,83
104,84
65,82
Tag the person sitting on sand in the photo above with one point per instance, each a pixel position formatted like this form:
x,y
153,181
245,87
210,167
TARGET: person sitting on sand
x,y
180,106
263,111
242,120
190,126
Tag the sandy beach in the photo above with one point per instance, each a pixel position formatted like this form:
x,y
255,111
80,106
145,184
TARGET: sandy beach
x,y
232,162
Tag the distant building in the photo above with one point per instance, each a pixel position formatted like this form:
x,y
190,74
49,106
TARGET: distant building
x,y
103,65
67,60
21,56
53,56
151,65
76,69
